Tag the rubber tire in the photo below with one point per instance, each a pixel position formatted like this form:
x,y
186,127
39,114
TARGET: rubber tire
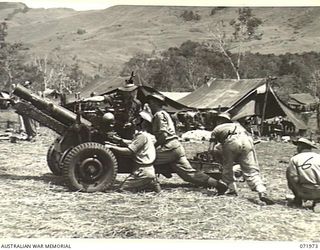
x,y
4,105
53,165
88,150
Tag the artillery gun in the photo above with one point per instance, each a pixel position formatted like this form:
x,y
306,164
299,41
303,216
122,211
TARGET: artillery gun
x,y
79,154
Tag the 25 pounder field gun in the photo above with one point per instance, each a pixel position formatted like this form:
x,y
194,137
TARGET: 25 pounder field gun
x,y
78,154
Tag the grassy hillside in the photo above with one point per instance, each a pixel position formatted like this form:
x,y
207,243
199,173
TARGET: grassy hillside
x,y
110,37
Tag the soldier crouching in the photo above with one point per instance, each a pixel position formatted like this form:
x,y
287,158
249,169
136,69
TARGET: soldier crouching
x,y
142,149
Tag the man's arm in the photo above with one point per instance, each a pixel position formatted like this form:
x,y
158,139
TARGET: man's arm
x,y
120,140
213,140
121,150
161,138
160,128
133,148
292,172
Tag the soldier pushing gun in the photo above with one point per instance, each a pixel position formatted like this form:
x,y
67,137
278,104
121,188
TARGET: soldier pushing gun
x,y
125,105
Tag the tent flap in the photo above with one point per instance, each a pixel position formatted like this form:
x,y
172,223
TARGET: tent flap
x,y
303,99
291,115
221,93
246,110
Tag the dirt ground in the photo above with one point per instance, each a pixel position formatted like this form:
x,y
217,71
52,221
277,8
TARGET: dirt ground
x,y
36,204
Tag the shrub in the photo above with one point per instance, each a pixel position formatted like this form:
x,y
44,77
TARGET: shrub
x,y
190,16
215,9
195,30
81,31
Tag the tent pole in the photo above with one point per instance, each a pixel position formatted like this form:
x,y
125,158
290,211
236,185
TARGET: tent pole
x,y
263,117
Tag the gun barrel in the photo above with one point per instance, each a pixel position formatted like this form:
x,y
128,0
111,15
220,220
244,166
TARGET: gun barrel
x,y
57,112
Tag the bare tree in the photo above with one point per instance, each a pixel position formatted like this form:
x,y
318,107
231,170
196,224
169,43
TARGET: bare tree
x,y
221,43
55,75
244,29
313,85
314,88
194,73
42,66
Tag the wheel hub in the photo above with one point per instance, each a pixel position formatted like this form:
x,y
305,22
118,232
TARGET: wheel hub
x,y
91,169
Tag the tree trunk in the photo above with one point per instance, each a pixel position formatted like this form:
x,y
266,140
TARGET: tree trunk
x,y
318,117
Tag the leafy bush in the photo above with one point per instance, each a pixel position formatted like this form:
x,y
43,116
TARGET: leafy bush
x,y
190,16
195,30
215,9
213,12
81,31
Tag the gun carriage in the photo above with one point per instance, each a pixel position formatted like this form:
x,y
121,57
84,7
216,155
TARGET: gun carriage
x,y
79,154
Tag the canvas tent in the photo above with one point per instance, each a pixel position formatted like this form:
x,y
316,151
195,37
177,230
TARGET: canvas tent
x,y
171,105
98,87
246,97
176,96
302,101
111,85
221,93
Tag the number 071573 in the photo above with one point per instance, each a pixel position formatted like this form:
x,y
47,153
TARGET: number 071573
x,y
309,245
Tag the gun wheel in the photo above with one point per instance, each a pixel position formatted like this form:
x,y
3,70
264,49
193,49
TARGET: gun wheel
x,y
53,160
89,167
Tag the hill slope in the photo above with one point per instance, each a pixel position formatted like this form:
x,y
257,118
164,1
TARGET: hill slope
x,y
112,36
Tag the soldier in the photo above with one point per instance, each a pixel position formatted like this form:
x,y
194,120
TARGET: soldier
x,y
237,146
170,151
127,108
142,149
303,174
28,125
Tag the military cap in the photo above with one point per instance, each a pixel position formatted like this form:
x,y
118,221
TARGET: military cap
x,y
224,115
128,87
307,143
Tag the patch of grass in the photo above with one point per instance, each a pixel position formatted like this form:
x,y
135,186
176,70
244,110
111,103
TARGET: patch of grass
x,y
37,204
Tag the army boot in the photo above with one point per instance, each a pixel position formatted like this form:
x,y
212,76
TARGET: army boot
x,y
155,186
263,197
221,188
218,185
316,206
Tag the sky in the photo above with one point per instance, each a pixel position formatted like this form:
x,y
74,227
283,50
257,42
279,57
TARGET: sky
x,y
103,4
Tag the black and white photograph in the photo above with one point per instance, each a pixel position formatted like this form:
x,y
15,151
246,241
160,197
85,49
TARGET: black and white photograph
x,y
159,122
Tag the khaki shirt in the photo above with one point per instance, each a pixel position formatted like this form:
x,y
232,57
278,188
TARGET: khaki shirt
x,y
143,148
223,131
306,166
161,123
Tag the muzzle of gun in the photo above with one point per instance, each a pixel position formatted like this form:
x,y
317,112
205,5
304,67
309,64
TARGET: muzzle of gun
x,y
256,142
